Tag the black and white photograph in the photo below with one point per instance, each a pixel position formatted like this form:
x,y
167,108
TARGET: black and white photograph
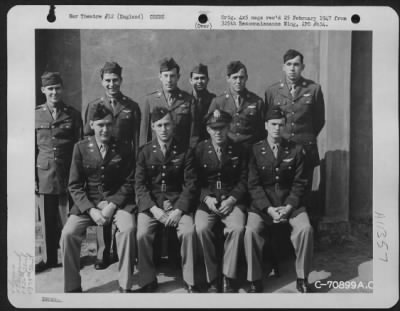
x,y
237,155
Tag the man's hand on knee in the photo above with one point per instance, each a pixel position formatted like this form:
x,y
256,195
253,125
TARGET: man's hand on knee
x,y
97,216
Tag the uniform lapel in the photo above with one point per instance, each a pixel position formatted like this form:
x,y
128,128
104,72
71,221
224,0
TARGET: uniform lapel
x,y
177,101
230,101
62,113
284,90
94,150
171,151
111,151
301,88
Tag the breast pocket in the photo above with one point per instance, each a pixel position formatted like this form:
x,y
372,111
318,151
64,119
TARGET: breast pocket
x,y
89,168
306,99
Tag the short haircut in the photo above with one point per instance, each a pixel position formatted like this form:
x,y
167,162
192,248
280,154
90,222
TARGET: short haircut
x,y
290,54
234,67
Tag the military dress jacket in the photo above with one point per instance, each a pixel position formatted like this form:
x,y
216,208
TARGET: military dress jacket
x,y
126,119
183,111
203,102
276,181
94,179
247,124
54,143
305,113
160,178
221,179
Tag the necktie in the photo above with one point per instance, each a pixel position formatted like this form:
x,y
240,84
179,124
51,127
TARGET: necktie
x,y
293,90
54,113
219,153
238,101
275,150
164,149
113,104
169,99
103,150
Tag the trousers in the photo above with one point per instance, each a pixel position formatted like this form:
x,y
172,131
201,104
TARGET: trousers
x,y
233,232
301,237
147,227
71,240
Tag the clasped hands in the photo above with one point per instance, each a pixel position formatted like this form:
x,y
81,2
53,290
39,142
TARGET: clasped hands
x,y
103,213
225,208
167,216
280,214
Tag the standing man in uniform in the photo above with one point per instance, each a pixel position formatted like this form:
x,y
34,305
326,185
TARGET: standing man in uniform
x,y
126,125
277,185
101,185
165,188
222,176
246,108
302,102
57,127
181,105
199,80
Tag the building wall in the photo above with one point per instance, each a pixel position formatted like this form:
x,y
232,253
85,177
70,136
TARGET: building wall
x,y
60,50
339,60
139,51
361,128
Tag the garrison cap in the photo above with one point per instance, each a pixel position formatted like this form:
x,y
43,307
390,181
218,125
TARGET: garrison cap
x,y
158,113
200,69
273,114
51,78
167,64
100,112
217,118
234,67
111,67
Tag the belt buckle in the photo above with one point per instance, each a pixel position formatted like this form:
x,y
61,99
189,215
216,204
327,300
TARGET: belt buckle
x,y
163,188
219,185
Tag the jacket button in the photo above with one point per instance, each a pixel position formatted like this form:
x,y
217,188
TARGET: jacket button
x,y
102,176
102,167
277,177
163,174
292,134
277,169
164,167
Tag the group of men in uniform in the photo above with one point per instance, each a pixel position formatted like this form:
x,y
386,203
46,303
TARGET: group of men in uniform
x,y
203,159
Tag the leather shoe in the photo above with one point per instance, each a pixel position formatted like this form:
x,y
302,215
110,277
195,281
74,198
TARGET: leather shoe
x,y
41,266
256,287
302,286
101,264
192,289
212,287
123,290
149,288
77,290
275,268
228,286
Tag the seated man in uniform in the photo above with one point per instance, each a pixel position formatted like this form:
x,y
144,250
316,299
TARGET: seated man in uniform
x,y
222,173
277,184
165,188
101,185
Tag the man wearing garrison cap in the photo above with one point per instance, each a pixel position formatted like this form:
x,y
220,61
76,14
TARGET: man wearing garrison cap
x,y
181,105
165,188
245,107
277,184
101,185
302,102
57,127
126,125
199,80
221,166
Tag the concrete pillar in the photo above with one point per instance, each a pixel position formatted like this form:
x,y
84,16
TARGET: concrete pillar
x,y
334,140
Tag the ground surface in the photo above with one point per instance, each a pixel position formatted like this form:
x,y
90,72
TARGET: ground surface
x,y
351,261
